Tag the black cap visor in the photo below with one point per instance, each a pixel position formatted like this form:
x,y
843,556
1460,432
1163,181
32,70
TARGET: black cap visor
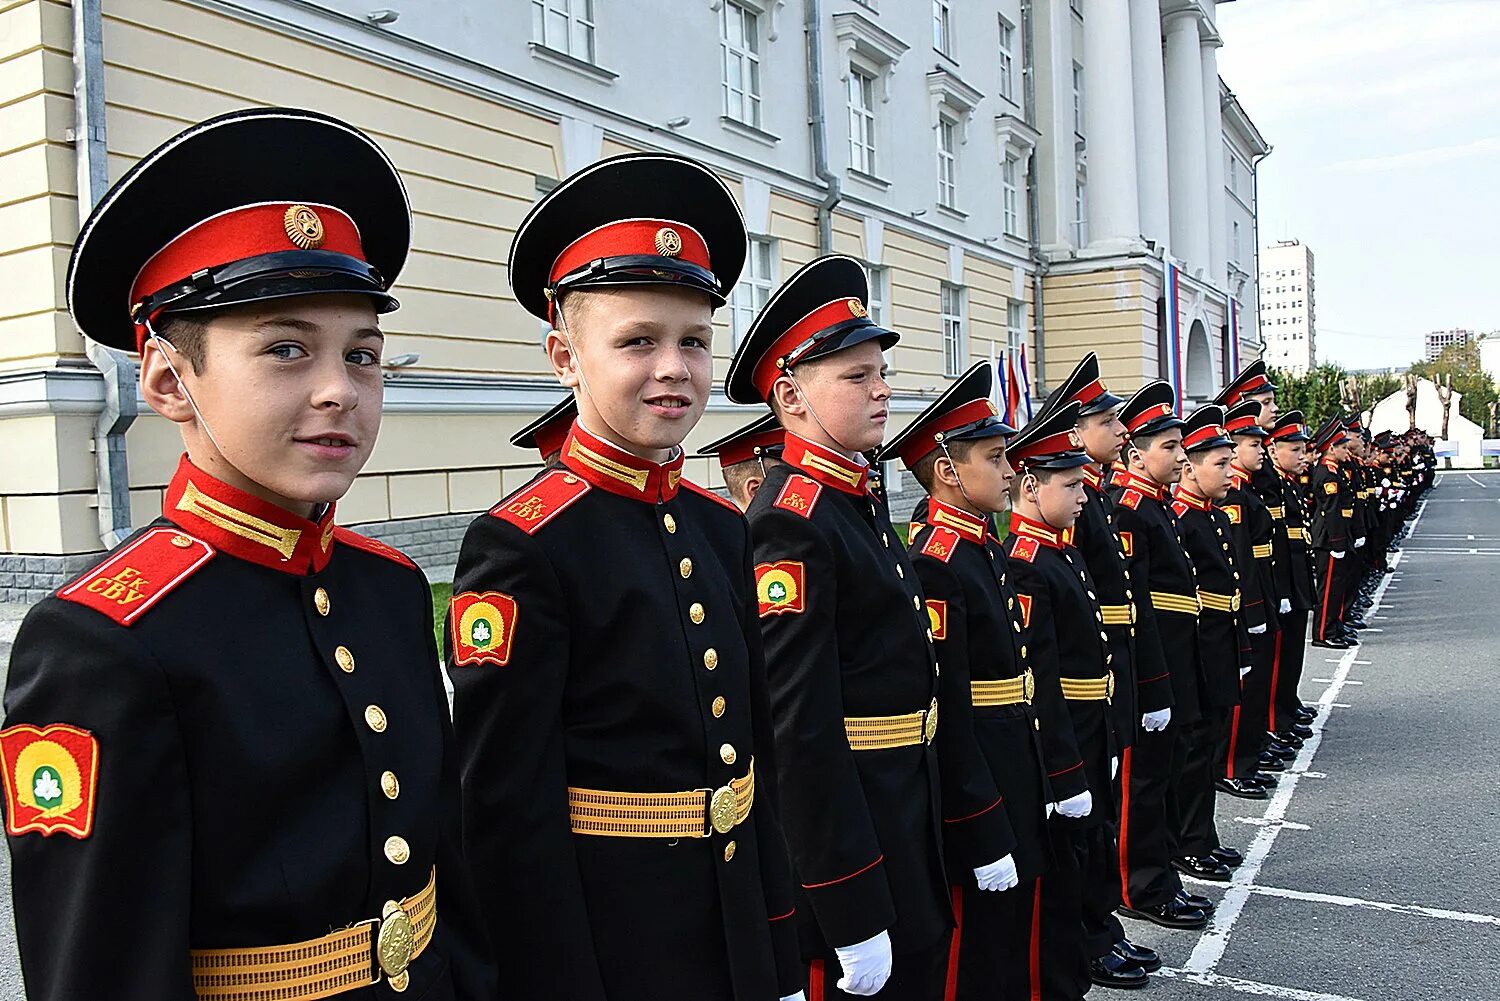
x,y
641,269
269,276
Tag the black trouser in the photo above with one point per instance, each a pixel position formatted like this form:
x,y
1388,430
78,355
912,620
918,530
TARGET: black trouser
x,y
915,976
1147,771
994,953
1190,803
1288,657
1101,890
1249,720
1333,588
1063,958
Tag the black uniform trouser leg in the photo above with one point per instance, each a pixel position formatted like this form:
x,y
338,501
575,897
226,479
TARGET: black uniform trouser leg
x,y
1145,856
915,976
1063,960
1332,578
1100,864
1248,720
1289,657
991,956
1194,790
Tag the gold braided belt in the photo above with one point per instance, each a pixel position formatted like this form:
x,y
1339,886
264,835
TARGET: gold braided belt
x,y
1006,692
360,956
1261,552
1089,689
876,733
697,813
1279,513
1220,602
1182,604
1347,512
1293,532
1118,615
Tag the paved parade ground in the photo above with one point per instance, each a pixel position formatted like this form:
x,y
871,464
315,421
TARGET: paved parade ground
x,y
1374,870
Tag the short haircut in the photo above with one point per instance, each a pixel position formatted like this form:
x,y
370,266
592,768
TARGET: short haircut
x,y
738,476
188,333
926,468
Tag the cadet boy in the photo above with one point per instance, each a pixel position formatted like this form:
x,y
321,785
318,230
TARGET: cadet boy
x,y
230,736
1332,499
994,782
854,685
619,791
1288,453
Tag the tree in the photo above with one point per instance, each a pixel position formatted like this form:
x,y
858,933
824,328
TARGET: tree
x,y
1315,393
1461,361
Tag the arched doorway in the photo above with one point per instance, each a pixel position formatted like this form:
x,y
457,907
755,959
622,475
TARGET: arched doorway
x,y
1199,382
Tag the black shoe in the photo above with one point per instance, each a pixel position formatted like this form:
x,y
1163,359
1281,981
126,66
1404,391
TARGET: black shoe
x,y
1242,788
1333,643
1348,635
1270,763
1286,746
1232,857
1305,714
1267,779
1195,900
1172,914
1300,730
1140,955
1204,867
1357,623
1114,970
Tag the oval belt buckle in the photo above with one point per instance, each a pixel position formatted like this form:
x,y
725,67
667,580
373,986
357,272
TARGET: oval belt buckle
x,y
1028,686
394,944
929,725
722,808
1109,688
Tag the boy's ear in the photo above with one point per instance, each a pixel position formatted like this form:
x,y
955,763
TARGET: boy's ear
x,y
561,356
788,398
944,471
161,387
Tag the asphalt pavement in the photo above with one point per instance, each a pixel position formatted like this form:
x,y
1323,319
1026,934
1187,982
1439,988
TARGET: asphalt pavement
x,y
1373,874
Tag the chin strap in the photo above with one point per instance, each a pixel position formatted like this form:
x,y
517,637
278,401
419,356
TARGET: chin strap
x,y
163,344
787,372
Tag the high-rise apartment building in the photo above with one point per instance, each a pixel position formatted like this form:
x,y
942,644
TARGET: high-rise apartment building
x,y
1288,306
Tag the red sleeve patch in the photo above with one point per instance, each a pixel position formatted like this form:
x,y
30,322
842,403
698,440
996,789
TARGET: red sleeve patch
x,y
799,495
781,588
1132,499
375,546
937,616
940,544
1024,600
705,492
51,777
1127,543
1235,512
1025,550
1331,487
483,627
133,579
533,506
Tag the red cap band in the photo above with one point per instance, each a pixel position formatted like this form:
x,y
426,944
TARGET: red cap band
x,y
1092,391
1205,433
1245,422
970,413
632,237
827,315
1148,415
1064,441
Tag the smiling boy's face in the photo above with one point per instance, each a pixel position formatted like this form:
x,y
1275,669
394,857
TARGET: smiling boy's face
x,y
290,391
645,354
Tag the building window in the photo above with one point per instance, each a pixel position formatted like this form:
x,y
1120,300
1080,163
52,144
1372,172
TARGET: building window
x,y
754,287
955,337
564,26
1234,242
1234,173
947,157
1078,99
879,279
739,42
1007,60
1010,183
1015,327
942,27
861,122
1081,210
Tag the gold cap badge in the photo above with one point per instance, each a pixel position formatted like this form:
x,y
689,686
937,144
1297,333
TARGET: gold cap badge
x,y
857,308
303,227
668,242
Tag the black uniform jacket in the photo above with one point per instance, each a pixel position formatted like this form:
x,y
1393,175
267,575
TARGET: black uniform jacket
x,y
603,637
1287,559
257,752
1223,643
1253,541
846,634
994,784
1161,567
1332,500
1065,631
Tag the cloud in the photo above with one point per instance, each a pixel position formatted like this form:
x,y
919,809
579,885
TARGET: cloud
x,y
1418,157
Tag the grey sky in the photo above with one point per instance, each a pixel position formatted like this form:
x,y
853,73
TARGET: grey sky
x,y
1385,118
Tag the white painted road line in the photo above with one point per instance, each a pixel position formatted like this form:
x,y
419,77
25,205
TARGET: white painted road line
x,y
1249,986
1477,483
1376,905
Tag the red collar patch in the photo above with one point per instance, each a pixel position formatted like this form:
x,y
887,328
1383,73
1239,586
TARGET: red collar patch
x,y
618,471
826,466
244,526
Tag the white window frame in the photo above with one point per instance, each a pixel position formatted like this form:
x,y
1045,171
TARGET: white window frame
x,y
741,103
1078,98
751,292
942,28
1081,208
1007,51
946,145
578,24
1010,172
1015,326
863,140
878,277
952,308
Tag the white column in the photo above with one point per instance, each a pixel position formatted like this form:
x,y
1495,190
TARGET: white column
x,y
1187,160
1109,128
1150,119
1213,131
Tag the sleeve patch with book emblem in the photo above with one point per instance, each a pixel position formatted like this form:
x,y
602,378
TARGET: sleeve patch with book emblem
x,y
1127,543
941,544
937,616
374,546
136,577
781,588
799,495
483,627
1132,499
51,776
1330,487
533,506
1025,550
1236,515
1024,600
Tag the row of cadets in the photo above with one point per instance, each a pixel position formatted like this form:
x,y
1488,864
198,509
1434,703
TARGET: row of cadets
x,y
996,706
620,786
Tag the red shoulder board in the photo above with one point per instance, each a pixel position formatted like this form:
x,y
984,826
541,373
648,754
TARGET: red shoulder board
x,y
705,492
135,578
1236,515
51,777
1025,550
1132,498
1180,508
799,495
1025,601
375,546
533,506
941,544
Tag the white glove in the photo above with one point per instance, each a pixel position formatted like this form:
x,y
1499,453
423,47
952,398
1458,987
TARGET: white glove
x,y
1359,543
1244,670
1077,806
998,875
1050,808
1151,722
1337,556
1114,767
799,996
866,965
1256,630
1286,606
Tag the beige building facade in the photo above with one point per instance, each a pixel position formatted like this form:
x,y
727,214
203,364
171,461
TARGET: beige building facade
x,y
937,148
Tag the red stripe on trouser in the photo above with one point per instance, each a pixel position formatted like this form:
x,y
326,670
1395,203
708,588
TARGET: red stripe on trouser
x,y
1327,590
1234,741
1275,679
950,989
1035,959
1124,839
815,981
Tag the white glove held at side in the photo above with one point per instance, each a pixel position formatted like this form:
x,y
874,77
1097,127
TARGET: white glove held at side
x,y
799,996
1077,806
1359,543
1337,556
866,965
1244,670
998,875
1285,607
1256,630
1158,720
1114,767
